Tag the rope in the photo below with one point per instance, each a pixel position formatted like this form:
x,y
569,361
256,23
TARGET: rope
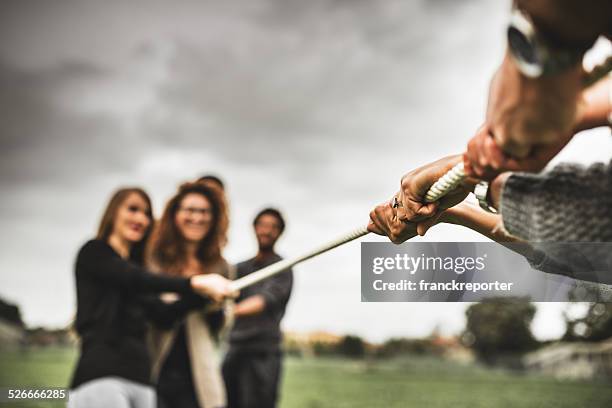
x,y
446,183
443,186
439,189
285,264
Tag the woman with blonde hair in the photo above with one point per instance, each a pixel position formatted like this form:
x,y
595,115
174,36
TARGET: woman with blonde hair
x,y
188,242
116,301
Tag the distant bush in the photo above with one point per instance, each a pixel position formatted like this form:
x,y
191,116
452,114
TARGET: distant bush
x,y
324,349
400,346
10,313
352,346
500,327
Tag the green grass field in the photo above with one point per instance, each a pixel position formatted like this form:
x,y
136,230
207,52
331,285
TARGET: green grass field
x,y
318,383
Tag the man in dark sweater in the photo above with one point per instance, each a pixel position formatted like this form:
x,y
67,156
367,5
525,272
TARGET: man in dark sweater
x,y
252,366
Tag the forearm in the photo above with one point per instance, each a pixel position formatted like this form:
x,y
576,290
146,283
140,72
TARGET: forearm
x,y
489,225
250,306
474,218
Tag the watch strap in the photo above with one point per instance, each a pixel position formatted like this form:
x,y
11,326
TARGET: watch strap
x,y
481,191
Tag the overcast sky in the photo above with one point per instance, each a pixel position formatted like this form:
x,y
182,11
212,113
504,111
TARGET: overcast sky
x,y
315,107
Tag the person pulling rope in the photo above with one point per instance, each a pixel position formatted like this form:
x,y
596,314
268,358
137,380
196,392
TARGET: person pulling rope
x,y
447,183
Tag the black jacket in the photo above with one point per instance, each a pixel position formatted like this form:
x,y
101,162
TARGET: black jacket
x,y
116,300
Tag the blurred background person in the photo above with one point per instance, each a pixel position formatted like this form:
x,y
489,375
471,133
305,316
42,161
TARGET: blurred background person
x,y
113,369
253,364
215,182
212,180
188,242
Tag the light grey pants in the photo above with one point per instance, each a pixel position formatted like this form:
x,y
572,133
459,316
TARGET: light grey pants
x,y
112,392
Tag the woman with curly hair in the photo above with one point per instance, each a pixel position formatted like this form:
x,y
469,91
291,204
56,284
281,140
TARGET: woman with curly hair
x,y
188,242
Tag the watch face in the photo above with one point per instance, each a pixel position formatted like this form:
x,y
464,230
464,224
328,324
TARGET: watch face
x,y
525,53
522,48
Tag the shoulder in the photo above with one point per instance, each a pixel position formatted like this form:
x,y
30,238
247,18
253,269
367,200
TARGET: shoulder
x,y
289,272
95,250
94,247
221,268
244,267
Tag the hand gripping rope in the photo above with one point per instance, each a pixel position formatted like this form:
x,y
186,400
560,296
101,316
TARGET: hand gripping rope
x,y
439,189
443,186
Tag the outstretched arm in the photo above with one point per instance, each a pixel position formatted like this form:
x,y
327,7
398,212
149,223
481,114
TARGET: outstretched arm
x,y
97,261
164,314
274,292
253,305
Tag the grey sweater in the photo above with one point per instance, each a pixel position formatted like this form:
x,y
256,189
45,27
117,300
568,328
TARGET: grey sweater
x,y
556,211
261,332
570,203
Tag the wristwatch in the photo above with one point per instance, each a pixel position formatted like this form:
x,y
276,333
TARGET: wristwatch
x,y
481,191
534,56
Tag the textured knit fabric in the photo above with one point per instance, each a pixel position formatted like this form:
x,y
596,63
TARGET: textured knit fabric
x,y
570,203
586,262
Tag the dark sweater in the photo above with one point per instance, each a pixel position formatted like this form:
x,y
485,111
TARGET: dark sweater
x,y
261,332
116,299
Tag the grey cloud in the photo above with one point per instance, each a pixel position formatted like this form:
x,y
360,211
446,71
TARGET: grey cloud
x,y
42,142
317,80
301,81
